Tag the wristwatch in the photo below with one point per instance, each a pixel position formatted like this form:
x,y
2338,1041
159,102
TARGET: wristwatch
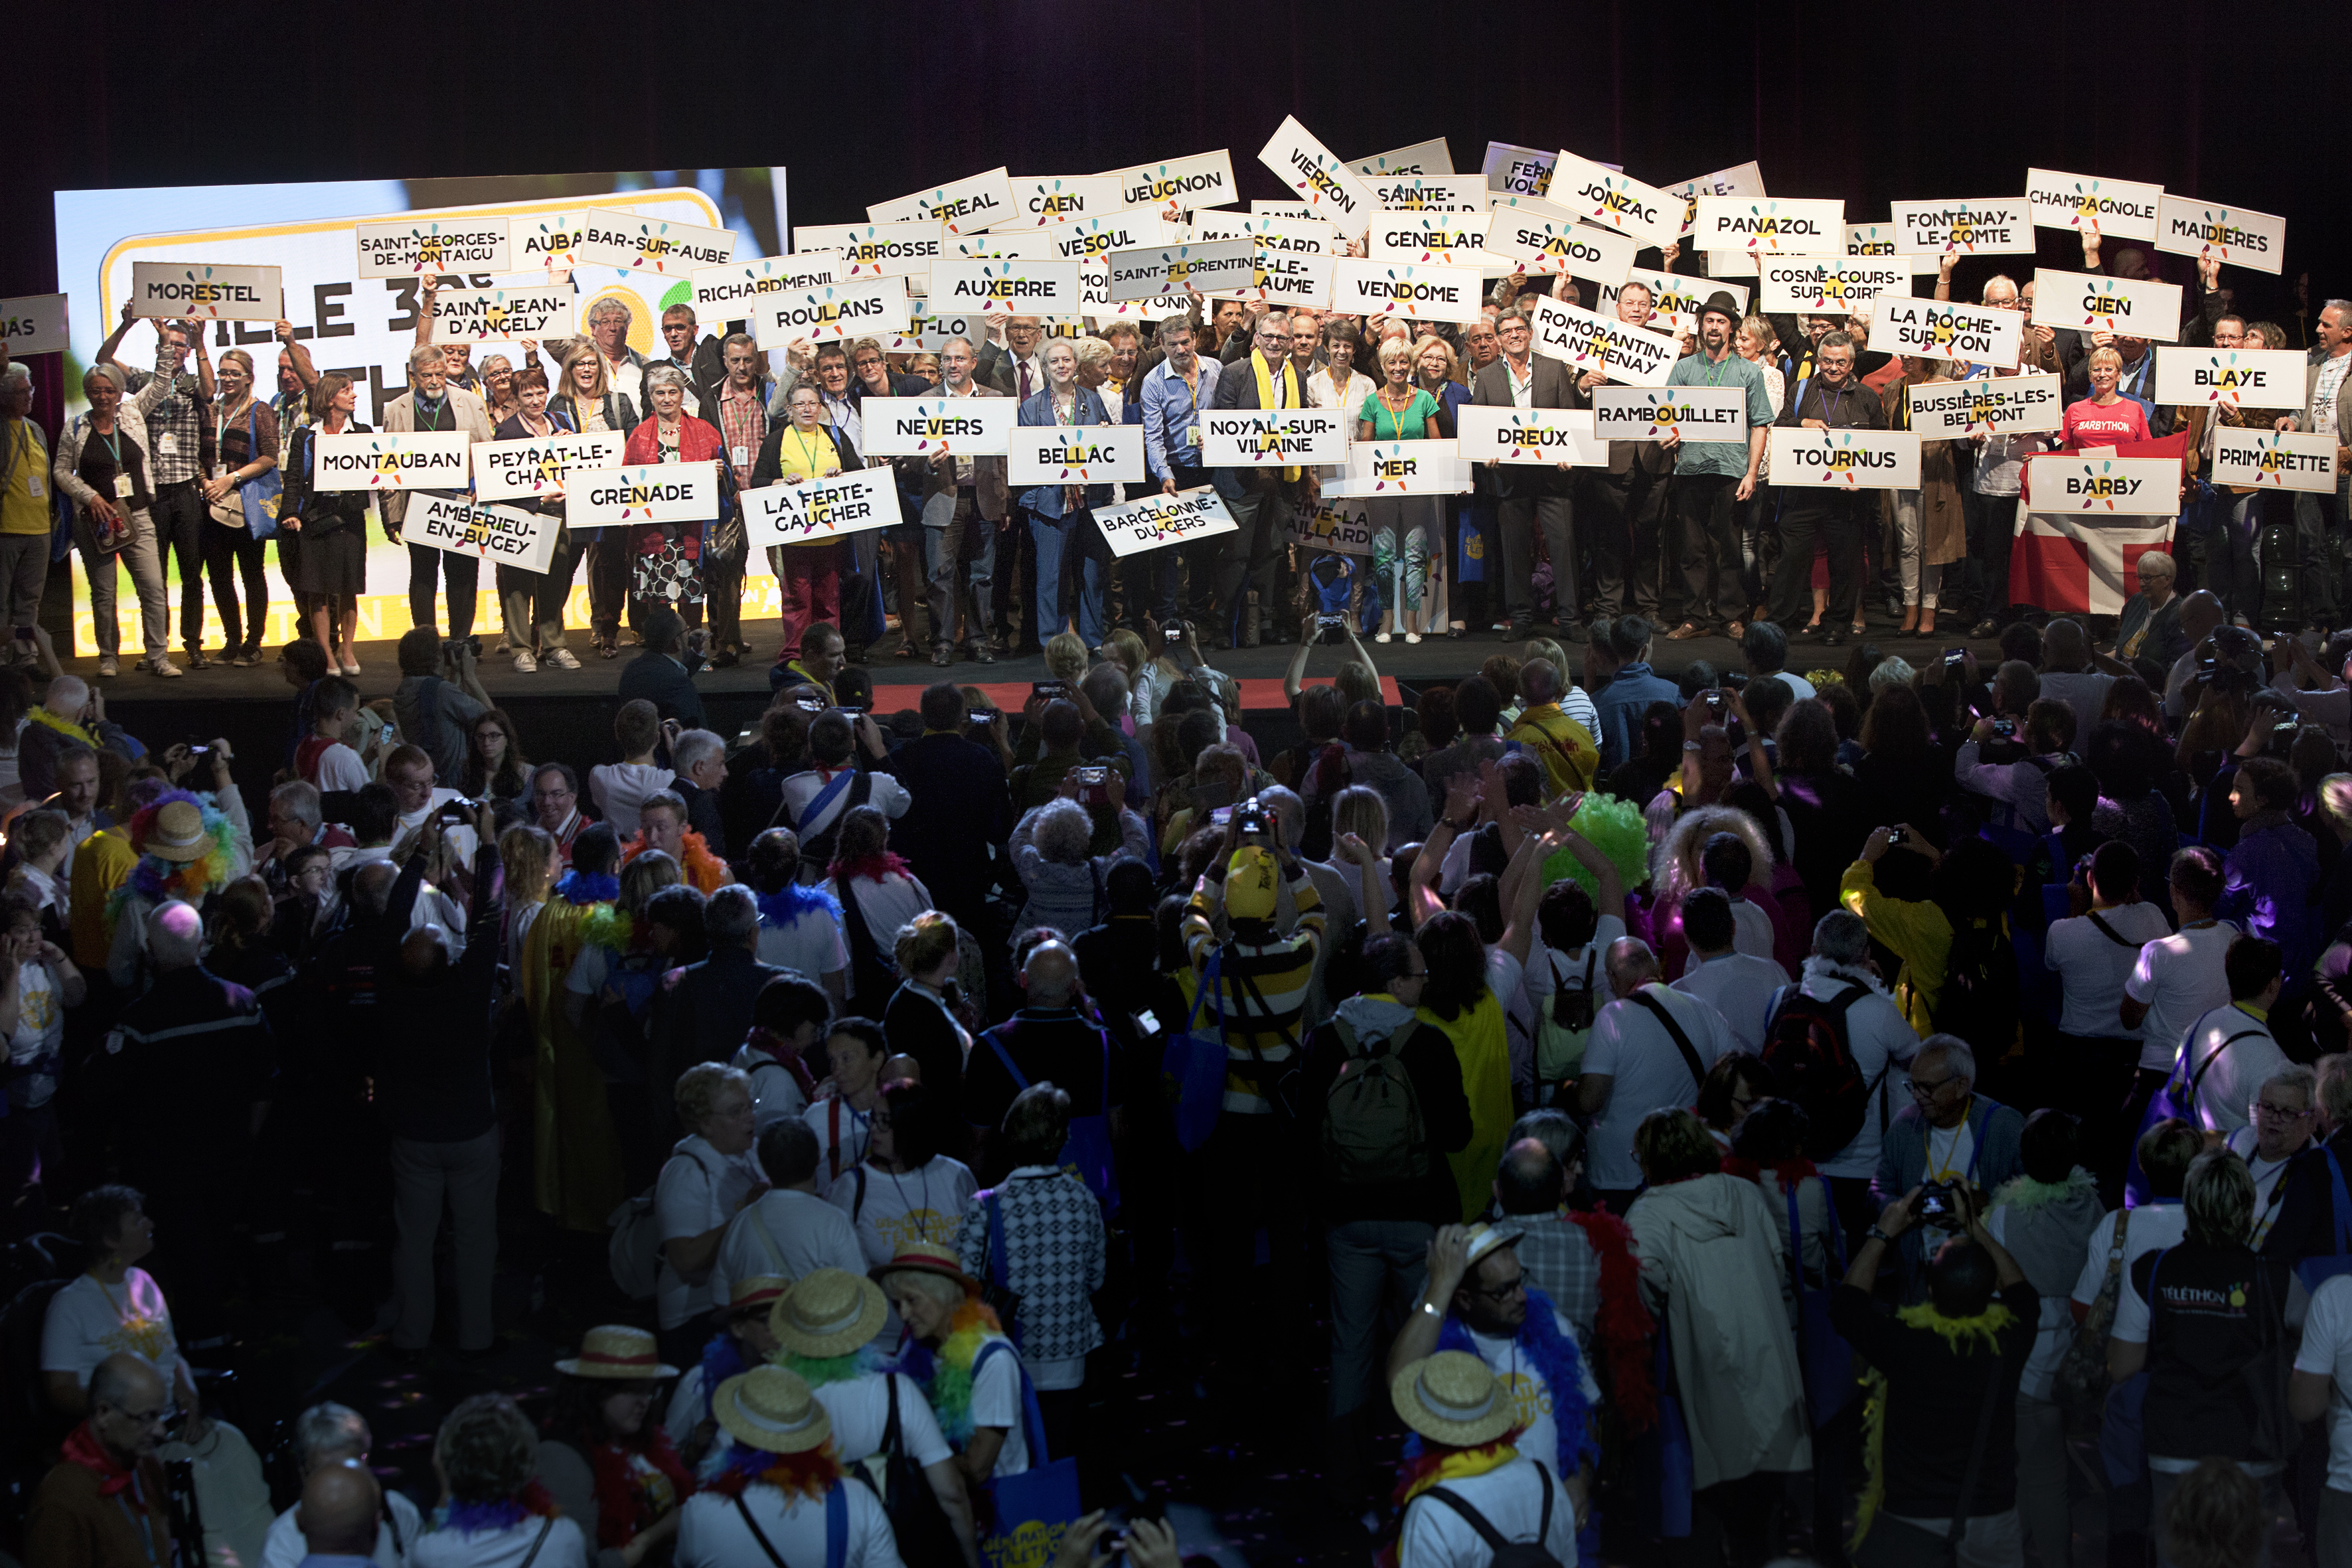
x,y
1874,1234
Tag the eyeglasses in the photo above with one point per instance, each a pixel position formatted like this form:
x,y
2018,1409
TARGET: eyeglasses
x,y
145,1418
2283,1112
1516,1286
1926,1090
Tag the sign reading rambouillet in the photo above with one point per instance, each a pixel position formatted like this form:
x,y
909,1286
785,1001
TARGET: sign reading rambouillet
x,y
1651,414
642,492
829,312
393,461
1158,520
819,510
941,427
173,290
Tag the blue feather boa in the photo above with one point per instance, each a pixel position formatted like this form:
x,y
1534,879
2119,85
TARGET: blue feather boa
x,y
722,1358
782,908
577,887
1555,1358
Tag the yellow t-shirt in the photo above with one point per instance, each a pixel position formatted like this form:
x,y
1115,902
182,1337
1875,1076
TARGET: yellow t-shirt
x,y
25,504
807,457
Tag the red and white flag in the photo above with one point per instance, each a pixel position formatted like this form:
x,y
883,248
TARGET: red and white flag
x,y
2065,562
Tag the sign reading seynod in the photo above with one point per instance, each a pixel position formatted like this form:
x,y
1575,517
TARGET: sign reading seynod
x,y
819,510
1776,224
1845,459
1381,288
502,315
614,238
1272,437
961,207
1588,340
1499,435
503,535
2119,209
2274,459
1059,198
1651,414
1158,520
1833,284
942,427
2095,303
2239,236
404,247
1074,455
1002,285
1154,272
1616,202
1180,183
874,249
1994,406
2067,481
2230,378
1547,238
2002,227
393,461
830,313
534,468
1393,469
642,492
725,293
1937,329
1322,181
173,290
34,324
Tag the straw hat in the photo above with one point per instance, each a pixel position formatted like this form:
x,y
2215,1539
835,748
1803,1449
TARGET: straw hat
x,y
767,1407
1485,1238
830,1313
1451,1398
922,1257
761,1291
621,1353
178,832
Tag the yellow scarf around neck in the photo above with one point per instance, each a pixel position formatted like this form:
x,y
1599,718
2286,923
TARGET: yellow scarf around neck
x,y
1266,399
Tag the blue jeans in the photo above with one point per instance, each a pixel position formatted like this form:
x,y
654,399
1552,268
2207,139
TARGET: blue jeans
x,y
1048,536
1373,1261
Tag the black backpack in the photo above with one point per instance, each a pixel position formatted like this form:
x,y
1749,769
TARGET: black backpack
x,y
1812,1059
1509,1553
1979,999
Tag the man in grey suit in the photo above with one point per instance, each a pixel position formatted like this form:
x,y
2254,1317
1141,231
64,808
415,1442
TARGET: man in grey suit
x,y
1527,495
1626,519
963,508
2325,521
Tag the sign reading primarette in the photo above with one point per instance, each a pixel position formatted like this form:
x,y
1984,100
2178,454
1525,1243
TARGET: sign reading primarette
x,y
2274,459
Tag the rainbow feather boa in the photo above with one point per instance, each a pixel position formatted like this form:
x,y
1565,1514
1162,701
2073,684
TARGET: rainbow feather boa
x,y
818,1371
608,926
1554,1357
577,887
788,904
812,1472
945,1374
156,879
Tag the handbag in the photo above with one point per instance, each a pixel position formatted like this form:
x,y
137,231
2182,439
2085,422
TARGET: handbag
x,y
1193,1066
1030,1511
996,1292
916,1522
2081,1381
1825,1357
253,505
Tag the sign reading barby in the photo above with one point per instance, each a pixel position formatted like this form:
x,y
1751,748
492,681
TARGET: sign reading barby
x,y
1618,202
613,239
502,535
725,293
1158,520
2095,302
1158,271
1178,185
2274,459
944,427
2230,378
534,468
502,315
2239,236
393,461
1586,341
1499,435
1829,284
819,510
1322,181
1059,198
1272,437
829,312
1651,414
1074,455
874,249
34,324
173,290
2065,481
1429,193
1741,180
1377,288
403,247
642,492
2118,209
1547,239
1392,468
1778,223
1518,171
1937,329
1998,227
1995,405
960,206
1845,459
1422,160
982,285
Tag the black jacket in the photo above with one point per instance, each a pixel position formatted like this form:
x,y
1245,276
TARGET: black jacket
x,y
662,680
705,1015
434,1082
961,806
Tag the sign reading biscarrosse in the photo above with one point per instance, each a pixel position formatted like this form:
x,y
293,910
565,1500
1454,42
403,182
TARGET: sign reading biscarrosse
x,y
34,324
173,291
2230,378
2067,481
533,469
1074,455
393,460
2239,236
1649,414
405,246
1158,520
2116,208
830,313
1497,435
1634,355
651,244
982,284
502,315
1996,405
503,535
1381,288
643,492
2274,459
2095,303
1272,437
1778,223
727,293
1845,459
874,249
1937,329
970,426
819,510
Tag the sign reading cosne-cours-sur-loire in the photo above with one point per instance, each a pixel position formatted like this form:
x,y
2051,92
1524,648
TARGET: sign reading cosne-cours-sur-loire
x,y
1178,185
1322,181
1586,341
1158,520
943,427
502,315
404,247
1497,435
1547,239
725,293
2230,378
1154,272
642,492
393,460
1272,437
829,312
172,290
2002,227
2065,481
1002,285
460,525
1652,414
1616,202
1392,468
1832,283
2239,236
1074,455
2095,303
2274,459
1995,405
1845,459
1788,227
34,324
1382,289
534,468
1060,197
2120,209
961,207
614,238
820,509
874,249
1937,329
1431,158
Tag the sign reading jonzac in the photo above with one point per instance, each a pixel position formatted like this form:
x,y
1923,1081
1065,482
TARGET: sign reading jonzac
x,y
1644,414
390,460
819,510
503,535
1272,437
1845,459
643,492
171,290
1158,520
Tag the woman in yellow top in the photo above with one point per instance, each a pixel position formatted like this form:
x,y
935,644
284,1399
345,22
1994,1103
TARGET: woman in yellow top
x,y
25,501
808,577
1967,889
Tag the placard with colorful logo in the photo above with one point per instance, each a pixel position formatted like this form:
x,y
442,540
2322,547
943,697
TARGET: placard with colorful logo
x,y
2230,378
1322,181
942,427
1058,199
404,247
820,509
1272,437
2238,235
1652,414
1845,459
502,535
1993,405
1422,159
725,293
1305,236
1832,285
1518,171
874,249
642,493
35,324
1586,341
1393,469
391,460
1493,434
2095,302
502,315
1163,271
1080,239
1180,183
1004,285
1740,179
2001,227
1937,329
1780,225
2071,482
212,291
2118,209
626,239
1616,202
1374,287
2274,459
1433,238
960,206
1547,238
534,468
1429,193
1074,455
830,313
1159,520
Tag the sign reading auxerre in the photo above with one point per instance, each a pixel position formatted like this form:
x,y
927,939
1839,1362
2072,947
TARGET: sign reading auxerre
x,y
819,510
1272,437
941,426
829,312
1845,459
988,284
643,492
1995,405
393,460
170,290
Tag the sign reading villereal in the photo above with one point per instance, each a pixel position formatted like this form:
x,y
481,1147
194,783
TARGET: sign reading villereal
x,y
938,426
393,460
503,535
1158,520
820,509
1650,414
1845,459
642,492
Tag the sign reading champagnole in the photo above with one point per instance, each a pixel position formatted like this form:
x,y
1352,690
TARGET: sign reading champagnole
x,y
2118,209
1497,435
642,492
1272,437
1845,459
2230,378
393,461
819,510
943,427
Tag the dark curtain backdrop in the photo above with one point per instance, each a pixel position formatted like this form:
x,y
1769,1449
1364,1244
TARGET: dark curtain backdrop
x,y
865,99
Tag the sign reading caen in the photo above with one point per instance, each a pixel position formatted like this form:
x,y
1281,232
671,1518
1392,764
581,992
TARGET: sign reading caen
x,y
613,239
1999,227
1499,435
1155,272
1549,239
1845,459
829,312
403,247
2095,302
2063,482
1205,180
1059,198
503,535
820,510
1778,223
1937,329
642,492
1322,181
1618,202
502,315
2230,378
725,293
1158,520
533,468
2274,459
1590,342
941,426
1650,414
1381,288
986,285
1272,437
172,290
1074,455
34,324
393,461
2116,208
961,207
1996,405
874,249
2239,236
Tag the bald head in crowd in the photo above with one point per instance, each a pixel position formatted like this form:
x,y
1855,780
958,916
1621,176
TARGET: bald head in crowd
x,y
2200,612
1631,964
340,1509
175,935
1050,977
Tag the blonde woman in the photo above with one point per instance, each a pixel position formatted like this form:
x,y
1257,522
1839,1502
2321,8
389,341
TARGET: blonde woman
x,y
245,437
1437,370
1400,411
1124,648
2107,416
1759,345
585,401
527,855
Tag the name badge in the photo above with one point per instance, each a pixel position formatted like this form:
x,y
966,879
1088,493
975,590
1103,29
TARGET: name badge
x,y
123,490
740,456
34,488
167,444
1191,435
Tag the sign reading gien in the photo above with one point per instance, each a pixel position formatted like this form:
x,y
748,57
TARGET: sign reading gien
x,y
1158,520
829,312
1650,414
1845,459
2097,302
1994,406
393,461
2274,459
2230,378
1497,435
2066,481
533,469
820,510
1272,437
942,427
642,492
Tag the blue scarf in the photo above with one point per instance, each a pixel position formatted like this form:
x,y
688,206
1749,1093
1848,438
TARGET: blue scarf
x,y
782,908
578,887
1555,1358
722,1358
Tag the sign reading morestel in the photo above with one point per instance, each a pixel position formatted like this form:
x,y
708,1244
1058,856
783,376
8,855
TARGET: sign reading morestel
x,y
171,290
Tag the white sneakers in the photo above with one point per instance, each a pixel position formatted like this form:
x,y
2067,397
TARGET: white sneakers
x,y
161,664
524,664
562,658
109,665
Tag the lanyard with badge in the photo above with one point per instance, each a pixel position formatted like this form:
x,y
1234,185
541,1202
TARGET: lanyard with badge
x,y
123,487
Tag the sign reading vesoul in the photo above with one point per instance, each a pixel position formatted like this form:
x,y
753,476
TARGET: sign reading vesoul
x,y
643,492
1845,459
170,290
970,426
503,535
393,461
1272,437
819,510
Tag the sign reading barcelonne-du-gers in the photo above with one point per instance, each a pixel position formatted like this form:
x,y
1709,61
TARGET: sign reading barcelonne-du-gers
x,y
1158,520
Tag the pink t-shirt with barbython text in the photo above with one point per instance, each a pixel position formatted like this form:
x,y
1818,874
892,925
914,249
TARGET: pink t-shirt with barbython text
x,y
2089,424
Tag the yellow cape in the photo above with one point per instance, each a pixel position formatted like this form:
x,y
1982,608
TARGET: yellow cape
x,y
577,1173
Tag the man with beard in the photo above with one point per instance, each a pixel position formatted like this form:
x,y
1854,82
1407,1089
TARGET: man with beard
x,y
1831,400
1711,478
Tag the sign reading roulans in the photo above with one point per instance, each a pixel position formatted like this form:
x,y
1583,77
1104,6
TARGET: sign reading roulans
x,y
1074,455
1634,355
2065,481
1995,405
2274,459
2116,208
821,511
533,469
2095,303
2230,378
34,324
503,535
643,492
1272,437
970,426
405,246
393,461
1778,224
1651,414
1497,435
1937,329
502,315
725,293
830,313
173,290
1845,459
1158,520
2239,236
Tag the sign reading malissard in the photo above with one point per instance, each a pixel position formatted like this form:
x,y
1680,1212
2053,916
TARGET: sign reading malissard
x,y
821,510
1158,520
393,461
1272,437
2230,378
642,492
1845,459
938,426
1649,414
1995,405
1497,434
503,535
2274,459
1074,455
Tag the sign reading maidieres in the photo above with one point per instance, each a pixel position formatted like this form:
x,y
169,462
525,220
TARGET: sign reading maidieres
x,y
2095,302
503,535
2119,209
1322,181
819,510
1155,272
1995,405
1549,239
1845,459
1613,200
1778,223
502,315
988,285
1586,341
393,461
1074,455
1997,227
642,492
34,324
2274,459
1937,329
1831,284
1272,437
172,290
2230,378
725,293
533,468
960,206
2239,236
1158,520
1497,435
1651,414
829,312
2067,481
874,249
1381,289
404,247
613,239
941,427
1393,469
1178,185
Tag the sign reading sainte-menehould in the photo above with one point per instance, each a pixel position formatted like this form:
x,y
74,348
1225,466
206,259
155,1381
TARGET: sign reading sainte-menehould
x,y
533,468
1392,468
502,315
1995,405
2119,209
1155,272
1614,201
2239,236
2274,459
830,313
1937,329
1429,193
943,427
1650,414
821,510
404,247
725,293
173,290
960,206
1061,197
2068,482
34,324
1002,284
1377,288
1272,437
1334,191
2095,302
502,535
1787,225
1549,239
1998,227
614,238
642,492
1588,340
1158,520
1180,183
1845,459
874,249
393,461
1429,159
1814,284
1074,455
2230,378
1499,435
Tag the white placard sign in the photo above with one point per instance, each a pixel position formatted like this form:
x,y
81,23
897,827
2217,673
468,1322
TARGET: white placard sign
x,y
1845,459
1337,524
1518,171
2116,208
1781,225
1286,209
1422,159
2095,302
401,247
616,238
1499,435
821,510
1307,236
1588,340
502,535
830,313
926,333
1130,228
1937,329
2238,235
2230,378
1059,198
1157,272
1094,281
1431,239
2138,486
546,241
1995,405
1547,238
1180,183
1392,468
1880,239
1158,520
2274,459
960,206
1678,294
2001,227
393,461
641,493
1272,437
1618,202
1291,278
1647,414
1378,287
1074,455
34,324
1430,192
985,285
941,426
1833,285
727,293
175,290
533,468
1322,181
502,315
875,250
1742,180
